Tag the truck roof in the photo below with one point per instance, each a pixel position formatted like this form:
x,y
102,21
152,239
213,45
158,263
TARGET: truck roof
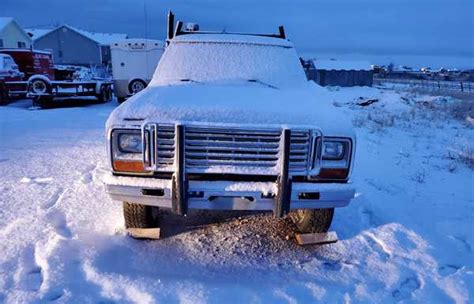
x,y
238,38
138,44
24,51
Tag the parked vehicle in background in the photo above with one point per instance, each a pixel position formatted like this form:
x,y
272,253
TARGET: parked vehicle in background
x,y
219,127
9,69
36,65
133,64
38,81
9,73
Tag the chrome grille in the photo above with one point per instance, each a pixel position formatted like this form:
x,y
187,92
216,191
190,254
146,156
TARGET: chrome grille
x,y
165,148
159,147
208,148
300,150
221,147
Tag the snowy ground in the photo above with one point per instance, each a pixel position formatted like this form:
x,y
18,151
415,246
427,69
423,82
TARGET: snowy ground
x,y
408,236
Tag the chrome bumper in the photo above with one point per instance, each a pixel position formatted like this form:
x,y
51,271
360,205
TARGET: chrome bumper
x,y
227,195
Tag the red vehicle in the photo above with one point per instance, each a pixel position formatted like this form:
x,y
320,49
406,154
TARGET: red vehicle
x,y
9,69
9,73
38,81
32,62
37,67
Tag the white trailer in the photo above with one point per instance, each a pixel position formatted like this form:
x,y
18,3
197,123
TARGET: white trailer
x,y
133,64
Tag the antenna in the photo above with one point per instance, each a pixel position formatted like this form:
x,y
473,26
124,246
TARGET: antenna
x,y
146,19
146,37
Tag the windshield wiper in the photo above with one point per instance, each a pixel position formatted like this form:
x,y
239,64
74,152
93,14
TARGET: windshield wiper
x,y
263,83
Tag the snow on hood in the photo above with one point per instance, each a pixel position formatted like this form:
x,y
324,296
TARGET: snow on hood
x,y
236,103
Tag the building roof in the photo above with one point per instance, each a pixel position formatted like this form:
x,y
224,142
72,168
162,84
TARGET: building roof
x,y
4,21
342,65
100,38
37,33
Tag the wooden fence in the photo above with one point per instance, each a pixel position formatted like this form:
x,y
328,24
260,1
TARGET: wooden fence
x,y
459,86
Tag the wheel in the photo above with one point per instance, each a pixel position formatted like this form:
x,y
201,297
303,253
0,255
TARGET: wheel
x,y
39,86
105,94
136,86
43,102
312,220
121,99
4,95
140,216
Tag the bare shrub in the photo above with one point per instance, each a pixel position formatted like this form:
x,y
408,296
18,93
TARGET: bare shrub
x,y
461,109
463,151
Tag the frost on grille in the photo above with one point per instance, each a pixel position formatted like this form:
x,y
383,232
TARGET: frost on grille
x,y
225,147
231,150
165,146
300,151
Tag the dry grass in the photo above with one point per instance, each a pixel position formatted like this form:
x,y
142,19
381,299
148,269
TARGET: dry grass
x,y
463,152
434,112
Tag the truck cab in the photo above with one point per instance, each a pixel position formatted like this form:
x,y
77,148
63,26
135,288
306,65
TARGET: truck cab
x,y
229,121
9,69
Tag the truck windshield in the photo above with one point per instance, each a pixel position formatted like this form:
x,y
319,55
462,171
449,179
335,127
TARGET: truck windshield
x,y
208,62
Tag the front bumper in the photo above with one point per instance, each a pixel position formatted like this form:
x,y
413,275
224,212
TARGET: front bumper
x,y
228,195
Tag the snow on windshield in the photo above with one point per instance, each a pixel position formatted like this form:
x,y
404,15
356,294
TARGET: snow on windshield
x,y
215,61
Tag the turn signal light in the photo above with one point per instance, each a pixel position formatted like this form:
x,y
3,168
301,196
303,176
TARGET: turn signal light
x,y
129,166
333,173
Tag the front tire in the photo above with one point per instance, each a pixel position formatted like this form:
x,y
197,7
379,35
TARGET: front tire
x,y
139,216
312,220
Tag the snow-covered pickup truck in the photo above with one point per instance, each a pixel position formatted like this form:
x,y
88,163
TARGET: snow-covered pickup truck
x,y
229,121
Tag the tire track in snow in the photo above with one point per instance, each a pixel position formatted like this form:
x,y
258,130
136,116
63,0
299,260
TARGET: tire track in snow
x,y
407,288
448,269
378,245
35,263
87,177
57,219
116,289
54,199
29,276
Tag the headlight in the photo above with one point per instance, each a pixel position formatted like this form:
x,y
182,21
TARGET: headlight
x,y
335,159
333,150
130,143
126,151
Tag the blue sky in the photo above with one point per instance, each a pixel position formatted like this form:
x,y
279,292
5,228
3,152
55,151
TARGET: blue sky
x,y
414,32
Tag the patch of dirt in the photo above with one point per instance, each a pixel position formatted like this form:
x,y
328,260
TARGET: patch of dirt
x,y
235,238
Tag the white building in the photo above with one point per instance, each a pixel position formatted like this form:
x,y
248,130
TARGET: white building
x,y
12,35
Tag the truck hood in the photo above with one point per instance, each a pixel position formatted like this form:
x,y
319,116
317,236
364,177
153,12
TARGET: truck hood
x,y
248,103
